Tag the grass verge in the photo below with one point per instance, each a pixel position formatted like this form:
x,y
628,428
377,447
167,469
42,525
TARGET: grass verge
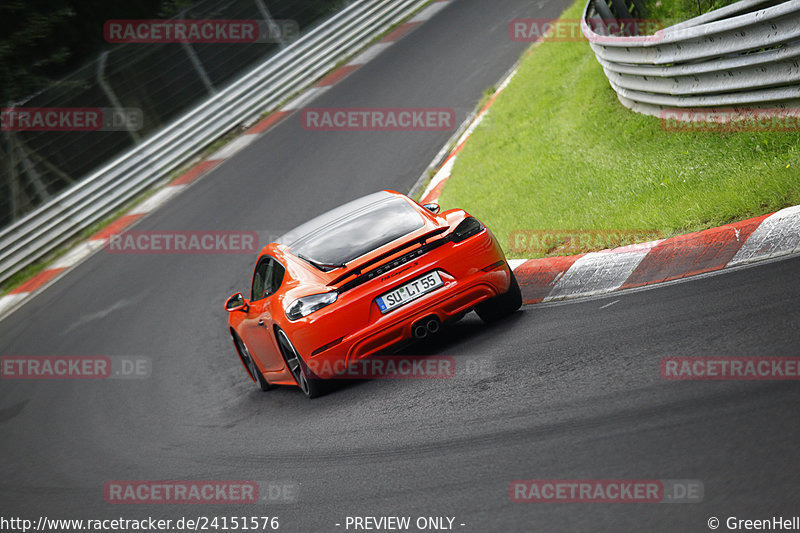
x,y
558,151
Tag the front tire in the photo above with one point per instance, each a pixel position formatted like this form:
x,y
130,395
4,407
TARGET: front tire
x,y
503,305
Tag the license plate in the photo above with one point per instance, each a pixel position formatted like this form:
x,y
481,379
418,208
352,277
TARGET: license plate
x,y
408,292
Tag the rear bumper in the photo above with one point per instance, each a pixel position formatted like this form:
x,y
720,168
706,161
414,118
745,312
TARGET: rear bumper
x,y
473,273
445,304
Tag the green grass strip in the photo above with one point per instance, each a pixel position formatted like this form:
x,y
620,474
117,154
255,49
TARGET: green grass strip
x,y
558,151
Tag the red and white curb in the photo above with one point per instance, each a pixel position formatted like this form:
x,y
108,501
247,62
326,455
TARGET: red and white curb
x,y
756,239
79,253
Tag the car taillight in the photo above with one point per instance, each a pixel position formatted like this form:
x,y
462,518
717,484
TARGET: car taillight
x,y
469,226
308,304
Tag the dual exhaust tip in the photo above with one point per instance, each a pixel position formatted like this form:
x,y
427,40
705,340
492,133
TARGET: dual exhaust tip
x,y
425,327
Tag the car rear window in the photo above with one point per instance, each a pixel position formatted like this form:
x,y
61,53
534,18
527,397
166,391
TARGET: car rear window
x,y
359,232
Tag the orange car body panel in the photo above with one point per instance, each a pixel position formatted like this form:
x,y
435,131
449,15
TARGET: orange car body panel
x,y
354,327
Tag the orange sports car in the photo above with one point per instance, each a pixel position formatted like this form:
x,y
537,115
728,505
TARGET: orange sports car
x,y
361,279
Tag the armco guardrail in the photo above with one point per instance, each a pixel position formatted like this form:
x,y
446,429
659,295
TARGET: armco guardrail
x,y
744,55
106,190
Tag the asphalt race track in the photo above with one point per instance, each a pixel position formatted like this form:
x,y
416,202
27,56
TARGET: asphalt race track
x,y
565,391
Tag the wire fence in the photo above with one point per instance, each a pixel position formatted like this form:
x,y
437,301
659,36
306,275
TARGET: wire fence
x,y
159,81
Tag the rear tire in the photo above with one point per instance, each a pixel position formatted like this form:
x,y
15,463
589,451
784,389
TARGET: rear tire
x,y
503,305
311,385
250,363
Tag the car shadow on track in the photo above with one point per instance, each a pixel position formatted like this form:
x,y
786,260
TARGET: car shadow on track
x,y
450,340
455,340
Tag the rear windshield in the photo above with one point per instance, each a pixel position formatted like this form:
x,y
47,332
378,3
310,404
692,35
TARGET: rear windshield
x,y
359,232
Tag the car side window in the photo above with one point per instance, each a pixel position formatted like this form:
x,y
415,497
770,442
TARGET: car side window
x,y
258,279
277,277
267,278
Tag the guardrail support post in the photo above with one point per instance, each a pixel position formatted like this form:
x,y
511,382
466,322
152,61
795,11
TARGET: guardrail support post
x,y
109,92
198,65
13,183
274,29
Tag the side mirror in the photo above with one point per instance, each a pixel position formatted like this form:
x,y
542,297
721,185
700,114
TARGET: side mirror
x,y
433,208
236,303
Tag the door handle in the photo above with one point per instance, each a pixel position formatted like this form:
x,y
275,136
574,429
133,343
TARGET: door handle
x,y
261,322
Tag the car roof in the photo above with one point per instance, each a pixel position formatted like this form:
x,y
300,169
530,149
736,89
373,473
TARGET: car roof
x,y
353,229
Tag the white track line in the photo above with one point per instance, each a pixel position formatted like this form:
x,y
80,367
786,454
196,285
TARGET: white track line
x,y
157,200
233,147
428,12
369,54
9,301
78,254
610,304
305,98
